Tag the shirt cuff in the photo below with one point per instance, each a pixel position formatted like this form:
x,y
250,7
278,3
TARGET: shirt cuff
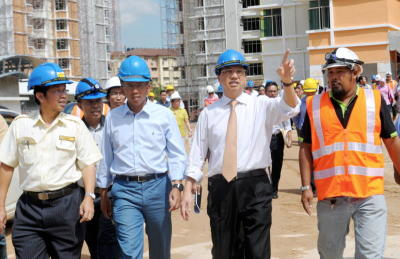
x,y
288,110
195,173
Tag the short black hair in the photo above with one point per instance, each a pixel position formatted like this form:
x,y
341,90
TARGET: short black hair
x,y
39,89
360,78
269,84
163,91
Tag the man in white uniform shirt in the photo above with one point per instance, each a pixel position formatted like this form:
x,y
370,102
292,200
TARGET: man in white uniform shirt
x,y
237,130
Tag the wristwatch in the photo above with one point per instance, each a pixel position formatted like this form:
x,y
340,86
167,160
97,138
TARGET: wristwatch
x,y
305,188
178,186
91,194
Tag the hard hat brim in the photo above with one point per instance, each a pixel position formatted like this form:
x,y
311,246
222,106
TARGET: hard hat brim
x,y
332,65
309,90
97,95
135,79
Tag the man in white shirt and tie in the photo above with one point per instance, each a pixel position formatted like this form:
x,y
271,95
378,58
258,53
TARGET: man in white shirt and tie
x,y
237,130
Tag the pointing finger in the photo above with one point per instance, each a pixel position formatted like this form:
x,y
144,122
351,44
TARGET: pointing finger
x,y
285,56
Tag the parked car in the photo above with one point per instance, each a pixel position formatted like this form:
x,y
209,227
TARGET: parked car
x,y
14,191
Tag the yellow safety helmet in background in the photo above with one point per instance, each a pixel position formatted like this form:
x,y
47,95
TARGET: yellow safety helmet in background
x,y
169,88
151,94
310,85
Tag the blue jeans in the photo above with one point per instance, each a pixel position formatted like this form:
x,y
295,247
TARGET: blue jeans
x,y
136,203
3,247
369,216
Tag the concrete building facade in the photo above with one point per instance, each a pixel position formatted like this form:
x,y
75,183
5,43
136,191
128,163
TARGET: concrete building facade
x,y
363,26
78,35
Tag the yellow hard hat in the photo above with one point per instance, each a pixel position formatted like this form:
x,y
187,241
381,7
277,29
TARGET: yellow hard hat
x,y
151,94
169,87
310,85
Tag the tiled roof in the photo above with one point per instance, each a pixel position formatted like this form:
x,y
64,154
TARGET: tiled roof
x,y
146,53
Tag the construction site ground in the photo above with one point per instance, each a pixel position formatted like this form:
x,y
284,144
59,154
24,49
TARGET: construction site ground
x,y
293,233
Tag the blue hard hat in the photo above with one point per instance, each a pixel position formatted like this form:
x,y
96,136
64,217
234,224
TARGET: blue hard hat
x,y
47,74
250,83
230,58
88,88
134,69
220,89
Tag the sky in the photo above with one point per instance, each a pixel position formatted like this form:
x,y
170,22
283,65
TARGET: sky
x,y
141,23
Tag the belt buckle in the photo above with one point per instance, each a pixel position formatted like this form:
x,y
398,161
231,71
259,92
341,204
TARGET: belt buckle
x,y
43,196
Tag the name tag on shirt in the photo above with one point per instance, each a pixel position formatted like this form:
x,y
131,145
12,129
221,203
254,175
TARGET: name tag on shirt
x,y
67,138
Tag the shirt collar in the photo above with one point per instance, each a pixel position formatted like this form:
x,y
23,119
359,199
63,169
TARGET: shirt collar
x,y
99,126
243,98
39,120
147,108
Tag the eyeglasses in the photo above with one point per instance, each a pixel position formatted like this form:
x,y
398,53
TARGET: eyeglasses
x,y
230,72
59,91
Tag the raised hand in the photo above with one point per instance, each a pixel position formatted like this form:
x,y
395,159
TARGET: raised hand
x,y
286,70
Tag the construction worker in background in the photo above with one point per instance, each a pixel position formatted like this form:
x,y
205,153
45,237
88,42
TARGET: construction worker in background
x,y
143,153
250,88
182,117
373,81
280,131
115,94
170,90
3,246
76,111
53,151
220,91
163,99
151,97
100,232
211,97
362,81
386,92
236,130
341,146
261,90
393,86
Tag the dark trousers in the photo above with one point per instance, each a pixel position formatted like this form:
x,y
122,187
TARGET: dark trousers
x,y
3,247
50,228
100,236
240,217
277,147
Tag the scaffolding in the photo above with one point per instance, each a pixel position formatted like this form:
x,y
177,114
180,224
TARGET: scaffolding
x,y
78,35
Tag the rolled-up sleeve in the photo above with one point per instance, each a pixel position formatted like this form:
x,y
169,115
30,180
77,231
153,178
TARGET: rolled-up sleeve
x,y
175,149
87,151
103,175
198,151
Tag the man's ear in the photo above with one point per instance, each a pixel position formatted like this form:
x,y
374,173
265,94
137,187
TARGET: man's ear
x,y
40,96
358,70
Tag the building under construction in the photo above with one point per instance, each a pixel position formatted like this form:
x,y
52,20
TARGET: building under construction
x,y
78,35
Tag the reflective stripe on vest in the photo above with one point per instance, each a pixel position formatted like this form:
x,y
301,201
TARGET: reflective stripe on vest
x,y
368,147
353,170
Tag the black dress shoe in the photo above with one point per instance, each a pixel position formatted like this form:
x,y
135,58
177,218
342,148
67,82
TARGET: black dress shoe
x,y
275,195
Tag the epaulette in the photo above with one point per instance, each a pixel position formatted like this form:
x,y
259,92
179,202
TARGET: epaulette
x,y
71,118
22,116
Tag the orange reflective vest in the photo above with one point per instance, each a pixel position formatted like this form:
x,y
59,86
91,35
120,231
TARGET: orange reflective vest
x,y
347,161
79,113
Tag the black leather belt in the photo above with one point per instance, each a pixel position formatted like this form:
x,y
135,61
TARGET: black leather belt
x,y
276,134
251,173
50,195
140,178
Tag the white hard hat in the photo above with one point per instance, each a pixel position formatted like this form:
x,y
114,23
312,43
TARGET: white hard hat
x,y
175,95
388,73
378,78
210,89
341,57
113,82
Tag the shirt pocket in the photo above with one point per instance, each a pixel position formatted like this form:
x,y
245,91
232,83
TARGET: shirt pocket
x,y
65,148
26,150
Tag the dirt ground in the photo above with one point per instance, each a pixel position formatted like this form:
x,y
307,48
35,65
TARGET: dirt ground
x,y
293,232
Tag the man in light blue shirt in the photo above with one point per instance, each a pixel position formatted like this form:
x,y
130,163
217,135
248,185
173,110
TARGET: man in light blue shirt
x,y
144,152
